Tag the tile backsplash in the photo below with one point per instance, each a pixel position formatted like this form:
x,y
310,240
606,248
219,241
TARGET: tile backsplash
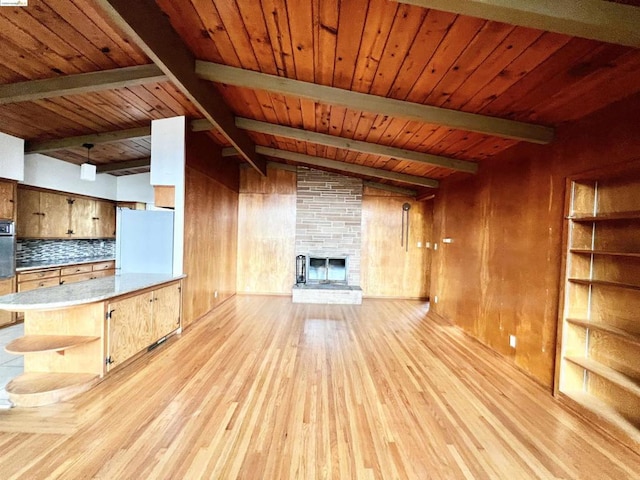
x,y
33,251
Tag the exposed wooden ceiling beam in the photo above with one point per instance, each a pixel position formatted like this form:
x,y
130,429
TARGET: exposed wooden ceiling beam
x,y
595,19
229,152
123,166
355,145
348,167
95,138
80,83
378,105
392,188
149,27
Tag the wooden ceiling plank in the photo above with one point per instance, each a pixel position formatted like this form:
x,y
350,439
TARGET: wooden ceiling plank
x,y
544,47
95,138
69,114
471,59
462,32
117,167
174,97
347,167
205,41
258,35
371,103
300,20
594,19
402,34
47,17
351,23
432,31
75,16
45,37
80,83
556,78
227,15
277,23
151,30
326,32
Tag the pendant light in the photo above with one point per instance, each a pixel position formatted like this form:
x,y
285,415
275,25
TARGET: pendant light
x,y
88,170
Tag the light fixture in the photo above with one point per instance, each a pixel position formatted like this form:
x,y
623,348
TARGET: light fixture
x,y
88,170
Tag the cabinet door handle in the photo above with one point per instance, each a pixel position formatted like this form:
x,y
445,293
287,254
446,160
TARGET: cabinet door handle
x,y
11,200
96,218
62,282
43,214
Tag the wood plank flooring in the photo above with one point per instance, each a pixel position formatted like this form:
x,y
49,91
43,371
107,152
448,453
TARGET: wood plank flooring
x,y
265,389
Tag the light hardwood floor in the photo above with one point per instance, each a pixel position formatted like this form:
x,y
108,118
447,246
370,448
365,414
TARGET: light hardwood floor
x,y
265,389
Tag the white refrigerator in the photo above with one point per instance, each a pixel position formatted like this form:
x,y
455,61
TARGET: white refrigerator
x,y
144,241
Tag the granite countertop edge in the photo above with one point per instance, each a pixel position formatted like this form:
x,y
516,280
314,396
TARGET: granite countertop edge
x,y
61,263
82,293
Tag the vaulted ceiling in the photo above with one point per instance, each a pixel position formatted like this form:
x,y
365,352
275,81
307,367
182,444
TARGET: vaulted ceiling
x,y
415,91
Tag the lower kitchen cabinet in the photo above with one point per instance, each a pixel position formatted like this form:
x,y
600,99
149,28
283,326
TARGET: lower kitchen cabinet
x,y
136,322
6,287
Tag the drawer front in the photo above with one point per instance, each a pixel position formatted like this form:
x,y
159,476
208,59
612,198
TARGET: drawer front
x,y
103,273
104,266
38,274
80,277
76,269
33,284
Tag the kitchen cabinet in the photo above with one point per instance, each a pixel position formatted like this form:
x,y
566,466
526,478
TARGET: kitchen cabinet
x,y
50,277
7,199
166,310
104,219
70,349
6,287
130,328
136,322
44,214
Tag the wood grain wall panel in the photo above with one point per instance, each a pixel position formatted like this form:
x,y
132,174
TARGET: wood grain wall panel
x,y
266,231
211,228
388,270
500,275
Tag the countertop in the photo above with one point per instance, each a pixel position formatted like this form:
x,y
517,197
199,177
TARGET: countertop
x,y
81,293
38,264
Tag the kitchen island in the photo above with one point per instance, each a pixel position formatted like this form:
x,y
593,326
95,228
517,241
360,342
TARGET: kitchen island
x,y
77,334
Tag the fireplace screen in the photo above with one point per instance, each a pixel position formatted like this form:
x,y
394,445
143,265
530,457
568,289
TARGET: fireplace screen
x,y
327,270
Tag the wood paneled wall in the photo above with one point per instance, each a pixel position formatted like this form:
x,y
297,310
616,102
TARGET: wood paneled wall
x,y
388,269
266,232
501,273
211,228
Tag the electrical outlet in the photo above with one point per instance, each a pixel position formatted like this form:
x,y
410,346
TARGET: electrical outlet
x,y
419,244
215,294
512,341
435,299
435,246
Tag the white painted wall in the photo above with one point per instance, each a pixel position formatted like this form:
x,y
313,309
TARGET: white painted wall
x,y
11,157
46,172
135,188
168,157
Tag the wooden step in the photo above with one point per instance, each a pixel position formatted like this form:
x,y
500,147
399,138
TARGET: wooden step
x,y
46,343
621,380
37,389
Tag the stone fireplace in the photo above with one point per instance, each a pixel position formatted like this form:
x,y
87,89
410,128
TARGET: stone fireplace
x,y
328,231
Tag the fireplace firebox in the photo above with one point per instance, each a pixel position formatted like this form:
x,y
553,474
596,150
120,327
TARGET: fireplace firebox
x,y
327,270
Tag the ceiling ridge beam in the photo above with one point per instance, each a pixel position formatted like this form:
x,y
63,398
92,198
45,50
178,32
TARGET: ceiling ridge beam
x,y
124,165
594,19
356,145
80,83
364,102
95,138
348,167
151,30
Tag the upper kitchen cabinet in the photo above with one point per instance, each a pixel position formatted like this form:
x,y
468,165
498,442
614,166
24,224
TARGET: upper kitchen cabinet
x,y
44,214
7,199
